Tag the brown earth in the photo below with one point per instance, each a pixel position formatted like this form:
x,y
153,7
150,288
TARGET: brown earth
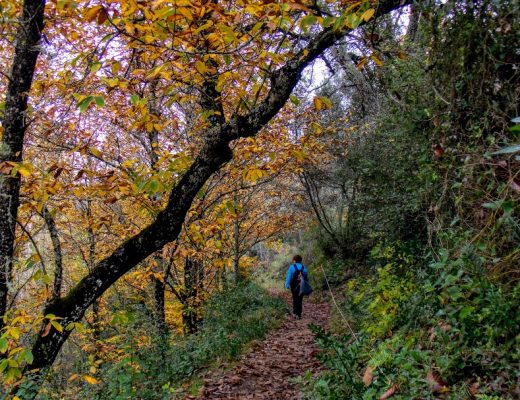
x,y
265,372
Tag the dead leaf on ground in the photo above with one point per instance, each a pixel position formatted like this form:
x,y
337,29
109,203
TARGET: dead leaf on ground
x,y
368,376
389,393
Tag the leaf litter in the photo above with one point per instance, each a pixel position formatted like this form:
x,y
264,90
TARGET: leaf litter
x,y
267,371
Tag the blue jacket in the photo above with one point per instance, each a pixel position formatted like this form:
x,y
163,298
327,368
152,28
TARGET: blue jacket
x,y
292,270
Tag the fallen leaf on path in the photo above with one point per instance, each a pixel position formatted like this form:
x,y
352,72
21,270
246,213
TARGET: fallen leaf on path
x,y
368,376
435,382
389,393
235,380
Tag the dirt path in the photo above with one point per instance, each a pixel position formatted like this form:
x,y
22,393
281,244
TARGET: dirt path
x,y
264,373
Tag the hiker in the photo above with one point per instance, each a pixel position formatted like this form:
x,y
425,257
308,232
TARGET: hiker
x,y
295,273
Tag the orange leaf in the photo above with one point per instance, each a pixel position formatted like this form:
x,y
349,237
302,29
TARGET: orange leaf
x,y
361,63
376,59
90,379
436,384
96,13
438,150
389,393
368,376
47,329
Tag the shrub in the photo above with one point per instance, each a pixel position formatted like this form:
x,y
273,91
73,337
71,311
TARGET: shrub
x,y
231,321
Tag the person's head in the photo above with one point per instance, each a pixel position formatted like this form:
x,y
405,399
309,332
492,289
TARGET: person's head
x,y
297,259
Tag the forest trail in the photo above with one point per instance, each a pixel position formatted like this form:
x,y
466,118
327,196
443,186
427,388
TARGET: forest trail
x,y
265,372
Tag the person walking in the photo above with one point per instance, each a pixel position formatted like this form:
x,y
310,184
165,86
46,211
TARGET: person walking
x,y
296,272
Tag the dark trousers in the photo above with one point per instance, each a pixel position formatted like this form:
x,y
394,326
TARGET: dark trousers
x,y
297,301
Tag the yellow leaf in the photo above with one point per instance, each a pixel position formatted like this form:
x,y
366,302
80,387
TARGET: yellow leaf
x,y
186,13
95,13
368,14
361,63
321,102
204,27
377,60
317,103
57,326
116,66
201,67
95,152
24,170
157,70
90,379
90,14
73,376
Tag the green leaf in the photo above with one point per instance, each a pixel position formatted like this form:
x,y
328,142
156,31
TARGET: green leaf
x,y
27,355
134,99
295,100
491,206
4,344
165,12
466,311
338,23
307,21
38,275
507,206
31,263
153,186
3,365
353,21
507,150
83,104
95,67
100,101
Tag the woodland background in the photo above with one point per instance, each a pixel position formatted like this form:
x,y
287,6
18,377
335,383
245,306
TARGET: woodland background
x,y
162,161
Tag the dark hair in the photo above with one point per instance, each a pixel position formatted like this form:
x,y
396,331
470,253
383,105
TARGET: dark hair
x,y
297,258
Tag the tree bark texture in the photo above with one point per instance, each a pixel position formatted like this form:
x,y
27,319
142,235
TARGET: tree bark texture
x,y
192,276
159,311
56,246
214,153
14,125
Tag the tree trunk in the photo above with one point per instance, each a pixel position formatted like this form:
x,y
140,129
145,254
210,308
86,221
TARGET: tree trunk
x,y
160,316
56,246
236,251
91,262
96,322
14,125
190,310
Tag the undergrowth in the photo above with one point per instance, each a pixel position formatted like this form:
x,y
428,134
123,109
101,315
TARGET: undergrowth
x,y
232,320
446,331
